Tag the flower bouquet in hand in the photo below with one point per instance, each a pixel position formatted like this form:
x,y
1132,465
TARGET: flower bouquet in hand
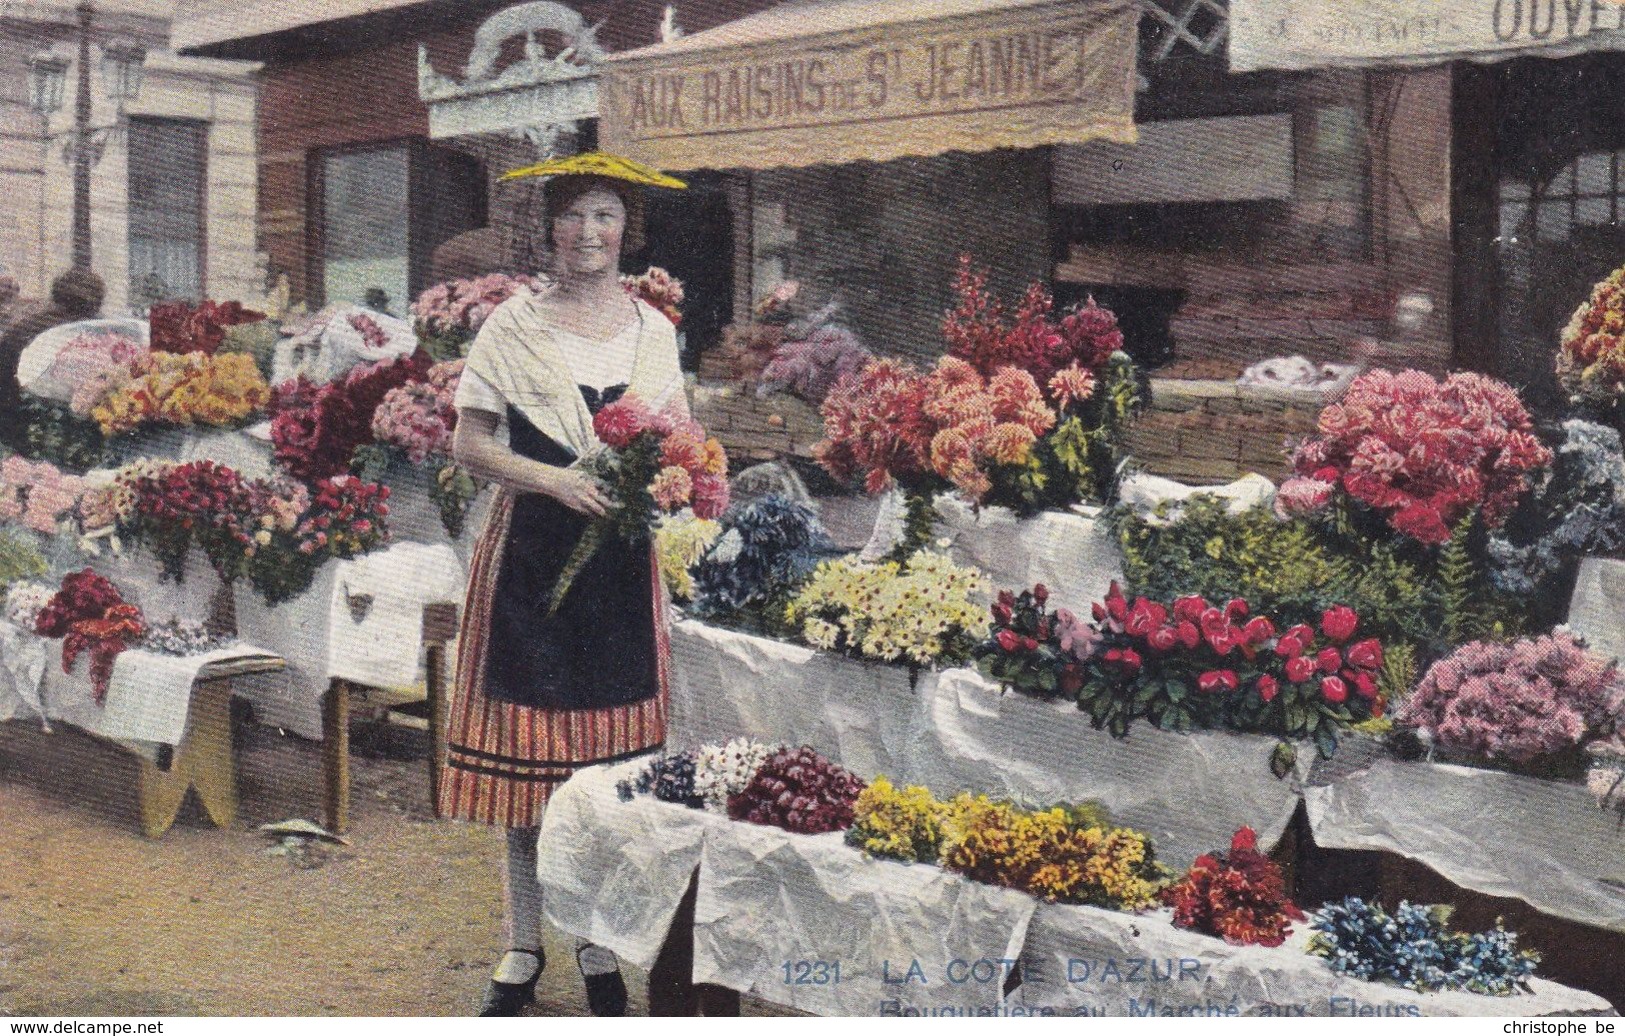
x,y
652,465
89,613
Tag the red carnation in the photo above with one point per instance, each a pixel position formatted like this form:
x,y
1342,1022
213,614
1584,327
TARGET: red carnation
x,y
1367,654
1334,690
1339,623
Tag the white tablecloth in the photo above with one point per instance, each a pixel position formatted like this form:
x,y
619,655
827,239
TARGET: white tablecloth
x,y
1597,609
1070,552
955,731
1544,842
361,620
615,872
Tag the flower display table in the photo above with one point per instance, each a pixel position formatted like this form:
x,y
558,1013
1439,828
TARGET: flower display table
x,y
776,913
1070,552
173,713
954,729
1501,834
376,626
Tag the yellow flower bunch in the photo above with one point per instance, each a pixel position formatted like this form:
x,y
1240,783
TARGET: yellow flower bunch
x,y
920,613
680,543
1062,855
186,389
897,823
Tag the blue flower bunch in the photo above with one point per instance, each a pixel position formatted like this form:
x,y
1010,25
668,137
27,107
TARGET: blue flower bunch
x,y
1415,948
669,779
765,552
1577,509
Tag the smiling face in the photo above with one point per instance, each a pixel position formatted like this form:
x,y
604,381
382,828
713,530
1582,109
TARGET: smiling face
x,y
587,232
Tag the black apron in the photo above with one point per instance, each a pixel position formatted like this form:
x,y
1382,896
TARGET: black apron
x,y
598,650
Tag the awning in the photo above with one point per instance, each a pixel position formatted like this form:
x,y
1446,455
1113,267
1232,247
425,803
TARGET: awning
x,y
1295,34
824,81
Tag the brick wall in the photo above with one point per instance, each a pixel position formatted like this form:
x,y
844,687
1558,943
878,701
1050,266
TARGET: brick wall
x,y
1209,432
754,429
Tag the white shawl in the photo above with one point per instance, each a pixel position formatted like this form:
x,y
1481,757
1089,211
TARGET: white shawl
x,y
519,355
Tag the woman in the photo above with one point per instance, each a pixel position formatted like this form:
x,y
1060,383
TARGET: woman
x,y
539,696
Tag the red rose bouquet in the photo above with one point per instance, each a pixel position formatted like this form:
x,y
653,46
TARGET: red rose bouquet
x,y
1420,453
652,465
1199,665
180,327
88,613
1239,896
799,790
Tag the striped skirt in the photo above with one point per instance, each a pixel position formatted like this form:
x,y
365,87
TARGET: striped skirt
x,y
503,760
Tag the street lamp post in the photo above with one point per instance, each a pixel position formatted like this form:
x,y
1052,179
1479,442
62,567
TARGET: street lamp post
x,y
121,72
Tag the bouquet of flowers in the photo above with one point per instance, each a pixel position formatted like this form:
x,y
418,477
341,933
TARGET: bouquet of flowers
x,y
1062,854
179,327
1033,651
669,778
1197,664
660,290
185,390
449,315
89,614
89,368
921,613
38,495
1239,896
289,530
1414,947
1578,508
1419,453
173,508
765,552
681,542
1535,700
1591,358
799,790
652,465
316,429
415,423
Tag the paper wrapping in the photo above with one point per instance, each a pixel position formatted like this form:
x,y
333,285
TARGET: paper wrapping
x,y
1597,609
767,897
22,673
1070,552
148,696
1189,792
955,731
138,575
1084,960
614,872
1501,834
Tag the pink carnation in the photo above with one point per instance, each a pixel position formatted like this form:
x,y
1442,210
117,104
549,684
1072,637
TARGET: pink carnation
x,y
622,421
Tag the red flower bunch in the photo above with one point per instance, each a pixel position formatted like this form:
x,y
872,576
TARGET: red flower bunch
x,y
1238,896
315,429
950,427
799,790
88,613
660,290
179,327
1195,663
199,503
1061,355
1421,453
1033,650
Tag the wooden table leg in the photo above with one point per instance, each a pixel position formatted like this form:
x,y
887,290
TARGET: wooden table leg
x,y
202,760
336,756
436,687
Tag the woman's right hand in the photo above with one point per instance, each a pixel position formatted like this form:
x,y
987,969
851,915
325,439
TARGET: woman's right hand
x,y
581,492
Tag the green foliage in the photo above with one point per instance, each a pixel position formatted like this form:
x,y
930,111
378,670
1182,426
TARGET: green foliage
x,y
451,488
19,559
50,431
1405,594
919,522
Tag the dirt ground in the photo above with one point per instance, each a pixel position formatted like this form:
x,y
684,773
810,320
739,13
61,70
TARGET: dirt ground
x,y
97,920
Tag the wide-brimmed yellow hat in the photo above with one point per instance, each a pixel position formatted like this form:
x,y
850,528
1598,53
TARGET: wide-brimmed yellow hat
x,y
598,163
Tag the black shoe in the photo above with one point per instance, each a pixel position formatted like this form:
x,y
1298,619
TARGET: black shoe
x,y
507,999
606,994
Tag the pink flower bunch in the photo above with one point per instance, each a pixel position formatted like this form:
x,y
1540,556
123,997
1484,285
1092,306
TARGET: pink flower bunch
x,y
1518,702
1420,452
1073,348
419,416
689,469
891,422
810,367
38,495
660,290
95,366
458,308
